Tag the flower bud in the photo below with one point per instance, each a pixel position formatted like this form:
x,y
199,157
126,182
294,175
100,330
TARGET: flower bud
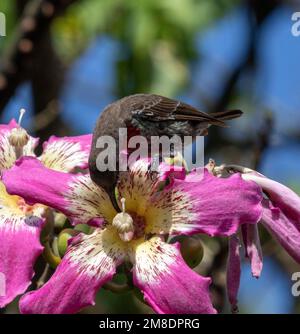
x,y
84,228
191,251
177,161
59,220
62,241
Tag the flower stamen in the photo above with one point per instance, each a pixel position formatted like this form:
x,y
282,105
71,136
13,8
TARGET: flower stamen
x,y
123,222
21,112
19,136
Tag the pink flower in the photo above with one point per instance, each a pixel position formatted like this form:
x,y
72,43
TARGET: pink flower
x,y
280,216
281,213
21,223
214,206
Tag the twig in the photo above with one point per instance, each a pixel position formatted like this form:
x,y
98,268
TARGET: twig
x,y
43,278
31,56
117,288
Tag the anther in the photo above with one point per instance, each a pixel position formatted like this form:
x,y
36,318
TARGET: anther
x,y
19,137
123,222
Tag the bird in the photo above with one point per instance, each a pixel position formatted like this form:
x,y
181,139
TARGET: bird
x,y
147,115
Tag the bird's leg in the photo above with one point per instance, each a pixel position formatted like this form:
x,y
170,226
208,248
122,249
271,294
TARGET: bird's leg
x,y
225,170
153,167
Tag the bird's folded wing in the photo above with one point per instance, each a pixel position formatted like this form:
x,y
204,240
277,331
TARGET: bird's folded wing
x,y
158,108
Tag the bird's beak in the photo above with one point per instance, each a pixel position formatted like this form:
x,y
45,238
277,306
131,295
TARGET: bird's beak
x,y
114,202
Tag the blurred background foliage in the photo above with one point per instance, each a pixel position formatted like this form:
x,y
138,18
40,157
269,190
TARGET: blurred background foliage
x,y
65,60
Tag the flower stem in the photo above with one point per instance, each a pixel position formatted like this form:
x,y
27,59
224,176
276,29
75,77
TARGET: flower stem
x,y
117,288
42,280
50,257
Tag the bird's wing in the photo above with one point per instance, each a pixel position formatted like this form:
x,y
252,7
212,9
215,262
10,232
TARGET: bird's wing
x,y
157,108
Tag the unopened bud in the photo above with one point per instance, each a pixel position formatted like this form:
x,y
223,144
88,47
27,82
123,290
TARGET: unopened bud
x,y
59,220
192,251
84,228
63,238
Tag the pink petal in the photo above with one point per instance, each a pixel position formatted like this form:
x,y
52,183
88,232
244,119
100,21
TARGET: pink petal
x,y
168,284
7,127
281,196
171,171
74,195
233,271
90,262
167,174
214,206
66,153
282,228
19,248
254,250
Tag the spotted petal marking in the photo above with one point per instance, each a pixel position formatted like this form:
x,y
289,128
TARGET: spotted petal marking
x,y
66,153
213,206
90,261
136,186
168,284
74,195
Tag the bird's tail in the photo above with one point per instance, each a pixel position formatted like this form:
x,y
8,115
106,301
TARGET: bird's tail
x,y
227,115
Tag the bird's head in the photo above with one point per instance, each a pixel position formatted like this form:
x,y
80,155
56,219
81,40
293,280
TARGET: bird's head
x,y
104,179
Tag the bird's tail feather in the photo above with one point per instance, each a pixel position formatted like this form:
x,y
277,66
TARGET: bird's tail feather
x,y
227,115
